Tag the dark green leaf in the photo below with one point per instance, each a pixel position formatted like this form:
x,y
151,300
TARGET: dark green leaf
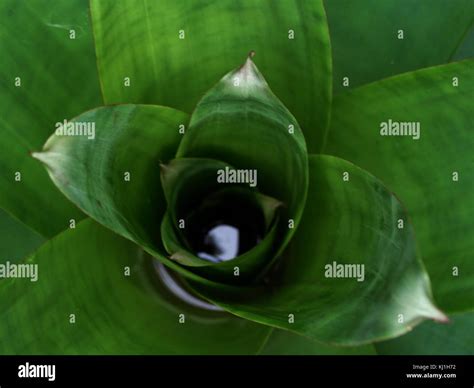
x,y
466,46
141,41
365,36
57,79
455,337
84,272
16,239
282,342
422,172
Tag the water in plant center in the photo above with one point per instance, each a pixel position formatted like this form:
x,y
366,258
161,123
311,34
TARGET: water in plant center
x,y
225,228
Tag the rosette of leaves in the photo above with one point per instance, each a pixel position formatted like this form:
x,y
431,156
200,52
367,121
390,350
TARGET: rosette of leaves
x,y
119,222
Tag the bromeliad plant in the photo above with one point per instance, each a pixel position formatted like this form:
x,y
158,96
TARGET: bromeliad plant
x,y
256,217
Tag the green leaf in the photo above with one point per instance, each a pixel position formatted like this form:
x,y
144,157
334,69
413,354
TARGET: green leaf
x,y
187,182
346,222
16,239
45,78
114,313
192,190
141,41
241,122
465,49
421,171
115,176
282,342
454,338
365,36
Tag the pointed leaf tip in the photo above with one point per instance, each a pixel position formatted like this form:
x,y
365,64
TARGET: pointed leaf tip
x,y
41,156
248,74
164,168
242,106
35,154
440,317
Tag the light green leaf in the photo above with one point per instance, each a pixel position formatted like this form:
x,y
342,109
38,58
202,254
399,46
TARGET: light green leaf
x,y
45,77
241,122
349,225
373,39
84,272
16,239
454,338
434,175
174,51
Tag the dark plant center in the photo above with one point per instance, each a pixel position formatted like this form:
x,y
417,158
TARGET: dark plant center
x,y
222,229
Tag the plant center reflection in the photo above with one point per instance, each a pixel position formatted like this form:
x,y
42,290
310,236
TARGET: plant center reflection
x,y
222,229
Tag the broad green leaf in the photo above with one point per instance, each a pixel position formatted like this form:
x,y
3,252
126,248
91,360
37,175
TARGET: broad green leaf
x,y
83,271
351,223
366,36
282,342
434,175
171,52
45,77
16,239
115,176
241,122
454,338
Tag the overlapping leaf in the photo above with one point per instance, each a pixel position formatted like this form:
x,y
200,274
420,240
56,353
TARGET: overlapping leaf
x,y
170,53
241,122
95,294
432,175
352,220
191,189
16,239
115,176
174,51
